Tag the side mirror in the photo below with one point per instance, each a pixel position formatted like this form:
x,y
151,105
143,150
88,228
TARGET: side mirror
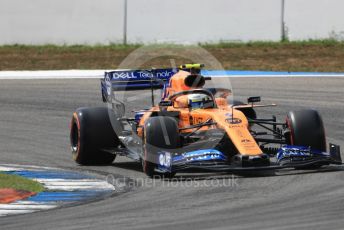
x,y
165,103
253,99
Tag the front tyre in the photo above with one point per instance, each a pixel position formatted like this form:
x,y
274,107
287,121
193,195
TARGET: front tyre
x,y
306,129
160,134
92,132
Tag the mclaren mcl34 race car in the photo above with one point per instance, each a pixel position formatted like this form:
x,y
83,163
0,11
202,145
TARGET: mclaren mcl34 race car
x,y
194,124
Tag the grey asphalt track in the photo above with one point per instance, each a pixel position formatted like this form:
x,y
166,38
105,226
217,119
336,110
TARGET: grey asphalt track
x,y
34,130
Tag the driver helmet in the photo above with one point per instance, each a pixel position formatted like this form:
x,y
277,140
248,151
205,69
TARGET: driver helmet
x,y
200,101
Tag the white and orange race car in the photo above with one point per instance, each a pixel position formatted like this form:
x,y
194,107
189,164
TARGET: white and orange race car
x,y
195,124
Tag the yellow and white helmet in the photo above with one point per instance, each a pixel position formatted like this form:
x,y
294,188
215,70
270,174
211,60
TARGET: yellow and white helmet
x,y
200,101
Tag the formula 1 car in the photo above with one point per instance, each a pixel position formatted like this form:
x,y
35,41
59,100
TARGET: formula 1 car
x,y
194,125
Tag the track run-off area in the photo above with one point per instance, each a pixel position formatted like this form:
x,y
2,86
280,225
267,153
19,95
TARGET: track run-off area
x,y
61,188
35,117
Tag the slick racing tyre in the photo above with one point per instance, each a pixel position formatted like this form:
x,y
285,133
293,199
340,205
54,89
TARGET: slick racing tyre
x,y
160,134
91,132
306,129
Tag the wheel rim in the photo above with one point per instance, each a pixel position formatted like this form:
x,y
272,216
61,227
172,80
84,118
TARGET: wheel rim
x,y
74,138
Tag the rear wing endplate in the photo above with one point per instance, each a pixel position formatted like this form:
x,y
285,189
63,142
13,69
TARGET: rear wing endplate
x,y
124,80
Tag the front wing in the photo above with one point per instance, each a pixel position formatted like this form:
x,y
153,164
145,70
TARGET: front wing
x,y
214,160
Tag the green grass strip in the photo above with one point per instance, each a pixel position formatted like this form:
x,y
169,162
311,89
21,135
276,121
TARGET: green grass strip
x,y
19,183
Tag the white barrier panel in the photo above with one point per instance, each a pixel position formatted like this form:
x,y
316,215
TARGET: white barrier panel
x,y
193,21
149,21
61,21
166,21
314,19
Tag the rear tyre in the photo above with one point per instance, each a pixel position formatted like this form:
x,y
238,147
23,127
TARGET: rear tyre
x,y
160,134
92,131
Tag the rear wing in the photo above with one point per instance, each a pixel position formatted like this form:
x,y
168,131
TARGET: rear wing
x,y
124,80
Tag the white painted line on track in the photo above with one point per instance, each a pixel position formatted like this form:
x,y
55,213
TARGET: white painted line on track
x,y
78,187
95,184
51,74
6,212
24,167
281,76
18,206
6,169
65,180
25,202
96,74
72,185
